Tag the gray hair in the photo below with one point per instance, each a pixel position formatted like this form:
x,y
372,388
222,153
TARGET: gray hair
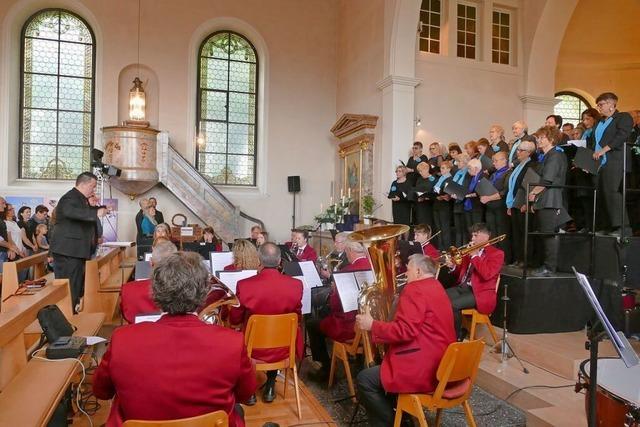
x,y
355,247
424,263
180,283
475,163
522,124
162,250
528,145
269,254
343,236
143,203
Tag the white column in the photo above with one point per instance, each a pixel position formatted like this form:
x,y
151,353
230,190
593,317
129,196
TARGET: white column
x,y
535,110
397,132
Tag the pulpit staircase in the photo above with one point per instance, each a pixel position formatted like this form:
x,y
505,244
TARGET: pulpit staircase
x,y
197,194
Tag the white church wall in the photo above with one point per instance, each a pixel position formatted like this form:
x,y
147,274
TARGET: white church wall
x,y
299,104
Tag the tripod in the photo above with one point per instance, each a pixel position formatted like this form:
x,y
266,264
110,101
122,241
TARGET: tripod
x,y
503,345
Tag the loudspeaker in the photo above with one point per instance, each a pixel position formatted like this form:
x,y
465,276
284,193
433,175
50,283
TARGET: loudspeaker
x,y
294,184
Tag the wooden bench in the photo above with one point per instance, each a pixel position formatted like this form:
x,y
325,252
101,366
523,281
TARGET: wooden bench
x,y
11,270
103,279
30,390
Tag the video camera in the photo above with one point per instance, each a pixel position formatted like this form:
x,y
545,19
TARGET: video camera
x,y
96,162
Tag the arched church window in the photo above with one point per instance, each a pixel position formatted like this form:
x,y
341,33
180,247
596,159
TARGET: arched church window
x,y
570,106
227,108
57,87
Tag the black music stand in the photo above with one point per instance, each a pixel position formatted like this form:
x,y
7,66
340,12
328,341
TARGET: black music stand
x,y
601,327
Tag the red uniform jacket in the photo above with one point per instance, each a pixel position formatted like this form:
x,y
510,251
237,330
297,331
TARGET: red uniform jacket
x,y
230,267
136,299
486,270
178,367
431,251
308,254
417,338
269,292
338,325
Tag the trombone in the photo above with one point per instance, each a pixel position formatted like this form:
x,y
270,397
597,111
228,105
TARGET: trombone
x,y
455,255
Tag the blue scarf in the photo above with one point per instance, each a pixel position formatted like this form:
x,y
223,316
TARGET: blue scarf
x,y
514,147
511,193
496,148
441,180
600,128
496,176
458,178
468,204
587,133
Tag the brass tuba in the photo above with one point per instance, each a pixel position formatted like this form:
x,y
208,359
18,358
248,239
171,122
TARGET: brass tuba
x,y
380,242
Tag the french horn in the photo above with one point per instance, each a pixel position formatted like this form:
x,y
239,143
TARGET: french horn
x,y
213,312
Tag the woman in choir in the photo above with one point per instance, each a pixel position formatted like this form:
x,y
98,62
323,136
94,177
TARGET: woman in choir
x,y
454,152
590,117
414,160
245,256
462,177
496,210
442,206
515,198
473,209
423,207
548,203
400,189
471,148
496,139
435,154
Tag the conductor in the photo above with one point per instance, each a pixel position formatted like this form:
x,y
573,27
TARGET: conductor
x,y
76,222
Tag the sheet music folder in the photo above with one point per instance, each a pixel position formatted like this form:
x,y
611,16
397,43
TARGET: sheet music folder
x,y
453,188
619,341
486,188
584,160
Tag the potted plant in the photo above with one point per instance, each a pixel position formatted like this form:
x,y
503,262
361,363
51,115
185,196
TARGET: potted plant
x,y
368,204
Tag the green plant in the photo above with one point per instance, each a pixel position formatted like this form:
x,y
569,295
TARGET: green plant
x,y
368,203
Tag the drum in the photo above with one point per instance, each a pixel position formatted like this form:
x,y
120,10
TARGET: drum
x,y
618,392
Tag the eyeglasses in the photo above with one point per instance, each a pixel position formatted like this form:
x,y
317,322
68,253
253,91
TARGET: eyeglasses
x,y
519,150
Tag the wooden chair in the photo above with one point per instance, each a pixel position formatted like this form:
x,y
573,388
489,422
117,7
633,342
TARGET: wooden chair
x,y
456,374
342,351
275,331
217,419
475,318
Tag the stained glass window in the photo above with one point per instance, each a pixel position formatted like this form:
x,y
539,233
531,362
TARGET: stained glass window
x,y
501,37
570,106
57,95
467,31
227,109
430,24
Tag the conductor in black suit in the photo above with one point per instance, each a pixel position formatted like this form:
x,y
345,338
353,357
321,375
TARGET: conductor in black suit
x,y
71,244
611,133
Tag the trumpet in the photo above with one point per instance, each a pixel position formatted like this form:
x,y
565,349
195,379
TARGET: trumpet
x,y
454,255
212,313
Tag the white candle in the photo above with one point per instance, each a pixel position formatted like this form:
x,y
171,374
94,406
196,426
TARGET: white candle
x,y
321,210
349,193
342,193
331,202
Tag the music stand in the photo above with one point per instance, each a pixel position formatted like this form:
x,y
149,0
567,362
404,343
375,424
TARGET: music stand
x,y
601,327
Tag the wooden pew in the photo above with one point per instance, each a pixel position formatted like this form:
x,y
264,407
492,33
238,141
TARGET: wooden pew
x,y
103,279
11,269
30,390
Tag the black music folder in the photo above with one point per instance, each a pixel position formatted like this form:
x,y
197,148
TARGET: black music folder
x,y
584,160
453,188
485,188
486,162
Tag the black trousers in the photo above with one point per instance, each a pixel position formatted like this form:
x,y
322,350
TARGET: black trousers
x,y
460,229
609,183
461,297
442,221
547,222
498,223
378,403
423,213
66,267
318,343
517,235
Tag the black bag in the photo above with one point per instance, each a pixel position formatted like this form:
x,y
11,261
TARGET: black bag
x,y
53,323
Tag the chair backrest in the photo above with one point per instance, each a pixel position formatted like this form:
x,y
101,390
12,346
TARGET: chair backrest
x,y
272,331
212,419
498,283
459,362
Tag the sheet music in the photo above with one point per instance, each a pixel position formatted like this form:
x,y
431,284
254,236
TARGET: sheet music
x,y
348,290
365,278
219,260
578,142
118,244
310,273
148,317
231,278
306,295
147,256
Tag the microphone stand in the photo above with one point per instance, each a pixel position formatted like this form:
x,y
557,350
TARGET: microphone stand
x,y
503,345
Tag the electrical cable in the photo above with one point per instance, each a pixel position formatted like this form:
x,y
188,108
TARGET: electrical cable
x,y
78,389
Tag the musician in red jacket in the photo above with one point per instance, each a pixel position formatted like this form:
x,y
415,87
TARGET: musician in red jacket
x,y
269,292
477,277
136,297
416,339
338,325
422,235
178,367
300,246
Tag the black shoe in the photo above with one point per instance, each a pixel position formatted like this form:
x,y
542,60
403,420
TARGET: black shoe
x,y
462,334
269,393
252,400
541,272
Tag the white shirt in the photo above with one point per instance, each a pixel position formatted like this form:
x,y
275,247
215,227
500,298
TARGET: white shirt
x,y
16,234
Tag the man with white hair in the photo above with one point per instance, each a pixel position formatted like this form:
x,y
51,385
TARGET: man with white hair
x,y
520,133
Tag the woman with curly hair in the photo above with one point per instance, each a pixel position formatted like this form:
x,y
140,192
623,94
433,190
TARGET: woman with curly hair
x,y
245,256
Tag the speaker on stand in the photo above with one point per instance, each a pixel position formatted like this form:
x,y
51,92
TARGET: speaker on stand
x,y
293,183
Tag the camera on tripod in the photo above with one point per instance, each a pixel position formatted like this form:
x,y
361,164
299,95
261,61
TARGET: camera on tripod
x,y
96,162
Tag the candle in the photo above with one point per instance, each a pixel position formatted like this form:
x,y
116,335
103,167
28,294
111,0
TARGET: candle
x,y
331,202
349,194
321,207
342,193
335,209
